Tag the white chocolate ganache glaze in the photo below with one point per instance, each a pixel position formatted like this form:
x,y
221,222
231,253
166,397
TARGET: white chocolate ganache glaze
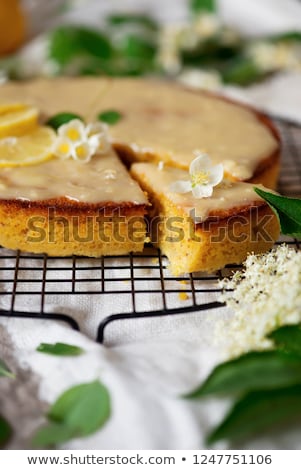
x,y
159,119
103,179
226,196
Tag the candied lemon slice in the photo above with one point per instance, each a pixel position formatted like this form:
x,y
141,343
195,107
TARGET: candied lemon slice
x,y
15,121
29,149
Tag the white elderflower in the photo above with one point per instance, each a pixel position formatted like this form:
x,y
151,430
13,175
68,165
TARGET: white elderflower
x,y
169,49
271,57
201,79
80,142
74,131
265,296
203,177
207,25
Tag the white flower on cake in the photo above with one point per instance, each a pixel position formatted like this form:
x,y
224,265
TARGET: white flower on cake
x,y
203,177
80,142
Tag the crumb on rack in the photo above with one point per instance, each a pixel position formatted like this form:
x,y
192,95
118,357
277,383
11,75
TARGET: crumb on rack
x,y
183,296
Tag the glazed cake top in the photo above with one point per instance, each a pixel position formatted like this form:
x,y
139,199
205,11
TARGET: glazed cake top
x,y
159,119
103,179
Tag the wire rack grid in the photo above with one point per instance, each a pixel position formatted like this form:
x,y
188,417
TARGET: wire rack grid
x,y
40,287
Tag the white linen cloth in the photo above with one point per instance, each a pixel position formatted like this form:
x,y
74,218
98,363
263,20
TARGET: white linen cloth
x,y
146,364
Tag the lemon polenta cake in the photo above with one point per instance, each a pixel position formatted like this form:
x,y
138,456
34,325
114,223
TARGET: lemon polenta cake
x,y
201,229
163,121
61,206
77,197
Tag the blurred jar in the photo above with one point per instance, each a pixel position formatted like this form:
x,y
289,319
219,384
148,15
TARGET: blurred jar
x,y
21,20
12,26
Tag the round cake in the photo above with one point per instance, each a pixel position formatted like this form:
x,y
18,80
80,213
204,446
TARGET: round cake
x,y
158,122
165,122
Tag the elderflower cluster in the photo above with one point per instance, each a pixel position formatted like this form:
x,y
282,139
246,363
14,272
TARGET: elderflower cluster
x,y
265,296
201,79
271,57
175,38
80,142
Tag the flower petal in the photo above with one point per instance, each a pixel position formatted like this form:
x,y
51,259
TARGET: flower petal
x,y
74,130
63,148
180,187
200,163
201,191
82,152
216,174
96,128
100,143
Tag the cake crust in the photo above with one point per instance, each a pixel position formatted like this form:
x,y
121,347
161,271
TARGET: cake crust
x,y
59,227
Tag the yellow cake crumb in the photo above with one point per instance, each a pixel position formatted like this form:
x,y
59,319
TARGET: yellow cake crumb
x,y
183,296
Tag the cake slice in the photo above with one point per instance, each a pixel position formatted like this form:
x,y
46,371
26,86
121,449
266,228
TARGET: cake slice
x,y
205,234
66,207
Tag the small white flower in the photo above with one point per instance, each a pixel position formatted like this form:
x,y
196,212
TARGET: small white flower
x,y
97,136
201,79
74,130
203,177
169,49
271,57
80,142
63,148
82,152
207,25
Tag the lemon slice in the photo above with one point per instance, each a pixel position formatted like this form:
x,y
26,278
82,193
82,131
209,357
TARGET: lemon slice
x,y
12,106
17,121
29,149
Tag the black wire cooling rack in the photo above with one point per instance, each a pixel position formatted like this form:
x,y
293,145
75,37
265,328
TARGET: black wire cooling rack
x,y
123,287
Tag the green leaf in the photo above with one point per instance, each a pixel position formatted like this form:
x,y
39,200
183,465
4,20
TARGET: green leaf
x,y
242,71
110,117
133,46
62,118
52,434
287,338
253,371
5,371
84,408
69,42
290,36
60,349
198,6
5,432
288,211
258,412
134,19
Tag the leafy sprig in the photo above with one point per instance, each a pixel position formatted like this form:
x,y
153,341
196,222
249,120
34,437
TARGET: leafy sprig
x,y
288,211
268,386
